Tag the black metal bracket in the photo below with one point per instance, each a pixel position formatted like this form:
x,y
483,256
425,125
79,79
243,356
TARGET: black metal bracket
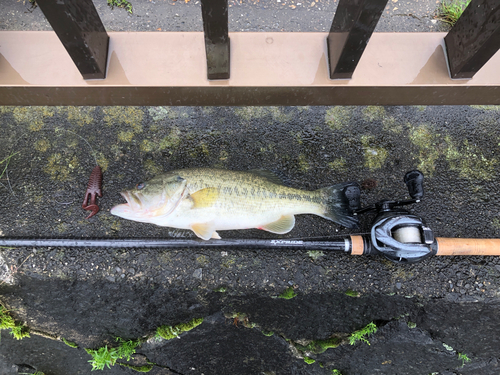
x,y
80,30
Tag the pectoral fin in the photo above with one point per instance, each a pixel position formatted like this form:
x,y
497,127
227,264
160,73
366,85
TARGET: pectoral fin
x,y
205,231
205,197
281,226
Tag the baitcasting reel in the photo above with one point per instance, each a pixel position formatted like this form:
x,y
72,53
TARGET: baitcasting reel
x,y
395,233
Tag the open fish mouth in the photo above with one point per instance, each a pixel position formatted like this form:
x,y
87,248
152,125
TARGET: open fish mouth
x,y
133,200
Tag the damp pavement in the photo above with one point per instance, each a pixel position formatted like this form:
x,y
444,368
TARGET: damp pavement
x,y
261,311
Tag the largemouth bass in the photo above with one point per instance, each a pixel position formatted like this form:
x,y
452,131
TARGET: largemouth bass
x,y
207,200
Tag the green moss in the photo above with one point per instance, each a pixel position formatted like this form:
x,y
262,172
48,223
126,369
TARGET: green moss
x,y
42,145
79,116
171,141
338,165
59,167
320,346
147,145
315,254
373,112
351,293
469,161
249,113
289,293
17,329
221,289
362,334
33,117
427,144
144,368
337,117
69,343
126,136
158,113
487,107
102,161
170,332
303,163
152,167
309,361
121,4
411,325
375,156
267,333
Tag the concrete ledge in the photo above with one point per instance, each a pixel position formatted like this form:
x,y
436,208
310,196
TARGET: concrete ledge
x,y
166,68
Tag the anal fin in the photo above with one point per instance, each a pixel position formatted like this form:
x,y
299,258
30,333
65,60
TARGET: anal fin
x,y
205,231
281,226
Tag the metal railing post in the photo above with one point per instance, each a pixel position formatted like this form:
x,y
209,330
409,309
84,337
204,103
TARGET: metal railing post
x,y
80,30
215,27
351,30
474,39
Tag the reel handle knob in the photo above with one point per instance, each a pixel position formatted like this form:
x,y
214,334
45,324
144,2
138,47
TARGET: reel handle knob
x,y
414,180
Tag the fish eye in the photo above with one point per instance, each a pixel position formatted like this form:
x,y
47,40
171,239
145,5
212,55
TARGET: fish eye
x,y
140,186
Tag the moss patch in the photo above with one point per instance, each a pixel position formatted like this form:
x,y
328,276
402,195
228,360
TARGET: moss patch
x,y
338,165
59,168
428,150
171,332
17,329
320,346
289,293
249,113
337,117
79,116
469,161
42,145
375,156
34,117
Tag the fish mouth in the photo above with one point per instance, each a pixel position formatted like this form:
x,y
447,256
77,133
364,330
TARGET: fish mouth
x,y
133,200
125,209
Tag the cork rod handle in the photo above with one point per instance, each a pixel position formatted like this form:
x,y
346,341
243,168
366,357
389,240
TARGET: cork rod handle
x,y
468,246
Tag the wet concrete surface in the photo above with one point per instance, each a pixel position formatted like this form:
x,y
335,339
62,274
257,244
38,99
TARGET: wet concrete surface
x,y
428,315
90,296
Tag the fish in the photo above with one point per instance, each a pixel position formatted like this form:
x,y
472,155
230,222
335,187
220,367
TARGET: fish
x,y
207,200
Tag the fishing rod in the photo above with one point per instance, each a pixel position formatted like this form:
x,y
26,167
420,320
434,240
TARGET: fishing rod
x,y
395,233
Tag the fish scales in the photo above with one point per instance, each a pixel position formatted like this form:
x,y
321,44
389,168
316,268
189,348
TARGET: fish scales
x,y
206,200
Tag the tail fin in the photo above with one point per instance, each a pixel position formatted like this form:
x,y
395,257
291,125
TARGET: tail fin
x,y
338,206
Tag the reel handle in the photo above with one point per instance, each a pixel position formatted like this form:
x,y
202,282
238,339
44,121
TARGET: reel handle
x,y
414,180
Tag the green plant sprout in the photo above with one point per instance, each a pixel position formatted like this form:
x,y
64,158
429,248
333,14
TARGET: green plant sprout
x,y
336,372
121,4
107,357
361,334
450,11
463,357
289,293
18,330
170,332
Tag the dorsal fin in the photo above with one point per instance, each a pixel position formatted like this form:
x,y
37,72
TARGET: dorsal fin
x,y
268,175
